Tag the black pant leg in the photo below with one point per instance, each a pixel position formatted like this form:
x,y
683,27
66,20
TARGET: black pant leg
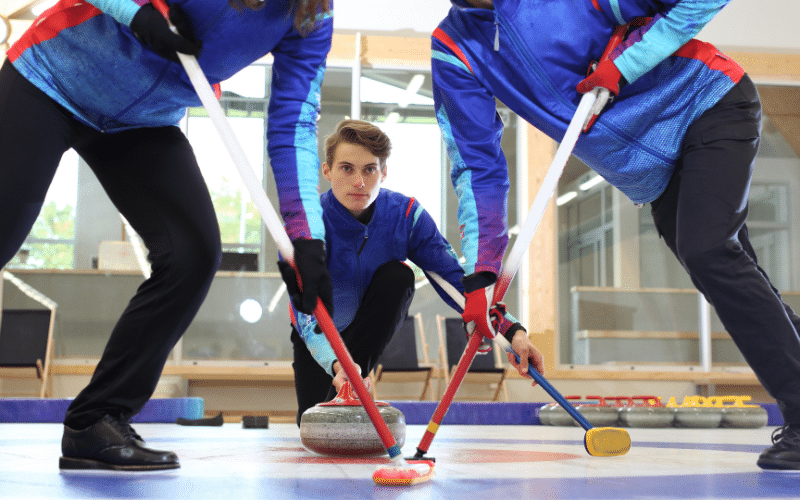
x,y
34,134
152,177
382,311
701,217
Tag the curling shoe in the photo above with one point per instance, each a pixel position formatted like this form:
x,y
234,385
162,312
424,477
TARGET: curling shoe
x,y
784,454
111,444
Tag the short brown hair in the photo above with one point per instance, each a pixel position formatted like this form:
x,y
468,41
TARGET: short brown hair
x,y
305,11
360,133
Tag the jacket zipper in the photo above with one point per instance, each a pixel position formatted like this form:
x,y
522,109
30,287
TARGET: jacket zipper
x,y
364,241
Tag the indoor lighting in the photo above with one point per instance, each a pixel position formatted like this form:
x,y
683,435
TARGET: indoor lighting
x,y
587,185
565,198
413,87
250,310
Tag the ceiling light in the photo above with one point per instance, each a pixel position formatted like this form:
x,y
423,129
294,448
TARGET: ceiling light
x,y
565,198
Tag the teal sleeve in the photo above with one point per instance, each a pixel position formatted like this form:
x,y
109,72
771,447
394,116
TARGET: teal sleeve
x,y
663,35
317,343
121,10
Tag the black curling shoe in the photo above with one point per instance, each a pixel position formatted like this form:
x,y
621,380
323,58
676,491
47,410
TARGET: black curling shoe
x,y
111,444
784,454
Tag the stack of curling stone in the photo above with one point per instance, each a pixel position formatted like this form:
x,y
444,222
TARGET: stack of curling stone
x,y
720,411
599,414
555,414
696,412
343,427
647,413
739,415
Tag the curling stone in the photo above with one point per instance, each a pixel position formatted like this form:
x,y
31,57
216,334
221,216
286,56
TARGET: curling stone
x,y
739,415
748,417
559,416
544,414
599,414
697,412
650,414
343,427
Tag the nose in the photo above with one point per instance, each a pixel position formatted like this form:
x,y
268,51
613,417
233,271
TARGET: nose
x,y
358,181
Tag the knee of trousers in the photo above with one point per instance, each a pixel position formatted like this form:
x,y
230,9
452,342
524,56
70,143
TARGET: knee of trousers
x,y
395,275
722,257
191,262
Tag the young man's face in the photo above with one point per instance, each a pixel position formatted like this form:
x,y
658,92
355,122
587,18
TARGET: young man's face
x,y
355,177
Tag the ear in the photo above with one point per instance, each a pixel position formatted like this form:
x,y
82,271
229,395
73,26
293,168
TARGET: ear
x,y
326,172
383,173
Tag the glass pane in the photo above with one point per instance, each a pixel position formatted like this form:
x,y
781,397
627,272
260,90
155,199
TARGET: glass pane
x,y
50,244
414,165
768,203
44,256
772,248
238,218
249,82
244,317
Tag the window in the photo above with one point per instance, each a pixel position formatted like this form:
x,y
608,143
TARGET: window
x,y
51,242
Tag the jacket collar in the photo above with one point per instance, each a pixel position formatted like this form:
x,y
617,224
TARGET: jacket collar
x,y
342,217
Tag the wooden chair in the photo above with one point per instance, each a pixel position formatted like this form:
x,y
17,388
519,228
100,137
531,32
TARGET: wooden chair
x,y
485,369
26,340
399,361
26,337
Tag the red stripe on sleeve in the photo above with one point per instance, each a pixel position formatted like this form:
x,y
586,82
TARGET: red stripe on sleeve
x,y
408,210
711,57
443,37
51,23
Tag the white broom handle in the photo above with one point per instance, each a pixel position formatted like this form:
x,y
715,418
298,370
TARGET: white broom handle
x,y
248,175
545,193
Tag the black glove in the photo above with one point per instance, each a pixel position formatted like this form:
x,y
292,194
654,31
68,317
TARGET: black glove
x,y
152,29
309,257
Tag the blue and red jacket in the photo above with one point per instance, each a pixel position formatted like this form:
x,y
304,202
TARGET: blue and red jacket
x,y
530,55
84,56
399,230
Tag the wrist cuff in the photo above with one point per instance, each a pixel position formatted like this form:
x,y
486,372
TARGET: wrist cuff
x,y
509,335
479,280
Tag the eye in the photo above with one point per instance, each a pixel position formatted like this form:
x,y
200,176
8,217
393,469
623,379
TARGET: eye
x,y
371,169
347,168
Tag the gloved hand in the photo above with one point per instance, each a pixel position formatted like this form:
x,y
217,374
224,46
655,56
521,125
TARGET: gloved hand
x,y
152,29
605,75
479,293
310,259
501,323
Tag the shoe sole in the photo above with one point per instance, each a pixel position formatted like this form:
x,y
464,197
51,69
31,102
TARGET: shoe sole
x,y
778,466
72,463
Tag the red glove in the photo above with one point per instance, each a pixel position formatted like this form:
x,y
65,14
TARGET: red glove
x,y
609,80
606,75
479,294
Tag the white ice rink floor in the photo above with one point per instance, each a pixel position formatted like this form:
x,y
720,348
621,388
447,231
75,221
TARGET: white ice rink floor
x,y
472,462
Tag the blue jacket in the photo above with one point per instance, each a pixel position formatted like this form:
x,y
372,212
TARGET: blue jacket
x,y
530,55
400,229
85,57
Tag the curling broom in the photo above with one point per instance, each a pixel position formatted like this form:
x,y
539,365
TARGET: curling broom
x,y
399,472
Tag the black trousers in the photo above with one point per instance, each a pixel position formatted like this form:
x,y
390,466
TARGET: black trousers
x,y
701,217
152,177
380,315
